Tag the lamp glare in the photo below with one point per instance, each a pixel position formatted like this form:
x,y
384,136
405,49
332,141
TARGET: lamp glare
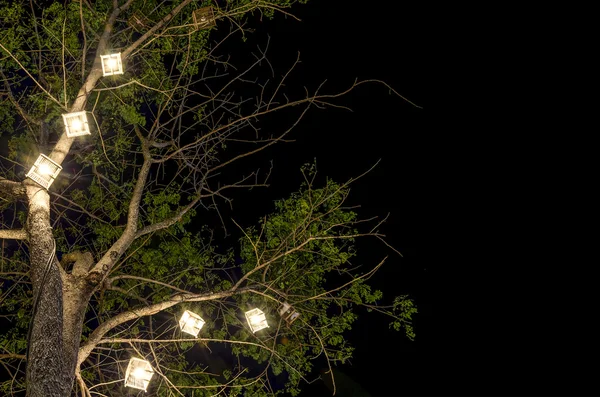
x,y
44,169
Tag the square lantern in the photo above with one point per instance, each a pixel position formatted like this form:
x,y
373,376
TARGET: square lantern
x,y
287,312
191,323
256,320
204,18
138,374
76,124
44,171
111,64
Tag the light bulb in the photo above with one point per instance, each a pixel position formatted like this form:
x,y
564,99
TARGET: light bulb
x,y
255,320
76,125
112,64
139,373
44,169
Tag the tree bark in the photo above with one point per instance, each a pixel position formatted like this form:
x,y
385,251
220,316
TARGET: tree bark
x,y
58,319
77,293
46,373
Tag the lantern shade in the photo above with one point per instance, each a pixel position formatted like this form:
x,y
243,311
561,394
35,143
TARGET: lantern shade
x,y
191,323
256,320
111,64
138,374
204,18
288,313
76,124
44,171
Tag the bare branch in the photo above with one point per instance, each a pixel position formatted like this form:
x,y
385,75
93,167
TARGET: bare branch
x,y
14,234
324,350
10,189
177,217
366,276
79,207
291,250
16,104
50,96
146,280
169,221
13,356
154,28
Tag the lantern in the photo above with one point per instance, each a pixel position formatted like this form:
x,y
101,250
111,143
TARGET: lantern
x,y
204,18
191,323
76,124
287,312
111,64
256,320
44,171
138,374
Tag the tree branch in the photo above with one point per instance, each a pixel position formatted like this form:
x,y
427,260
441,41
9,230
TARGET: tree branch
x,y
169,221
12,355
10,189
99,272
14,234
366,276
154,28
294,249
146,280
83,261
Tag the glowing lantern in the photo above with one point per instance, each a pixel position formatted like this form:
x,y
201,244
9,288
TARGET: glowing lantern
x,y
256,320
287,312
111,64
138,374
191,323
204,18
44,171
76,124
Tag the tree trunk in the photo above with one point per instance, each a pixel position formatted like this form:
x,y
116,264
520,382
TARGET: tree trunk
x,y
57,322
46,374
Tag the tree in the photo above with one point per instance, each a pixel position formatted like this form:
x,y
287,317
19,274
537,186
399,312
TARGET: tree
x,y
99,268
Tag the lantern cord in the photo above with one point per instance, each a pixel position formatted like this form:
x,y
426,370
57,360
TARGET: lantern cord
x,y
37,296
